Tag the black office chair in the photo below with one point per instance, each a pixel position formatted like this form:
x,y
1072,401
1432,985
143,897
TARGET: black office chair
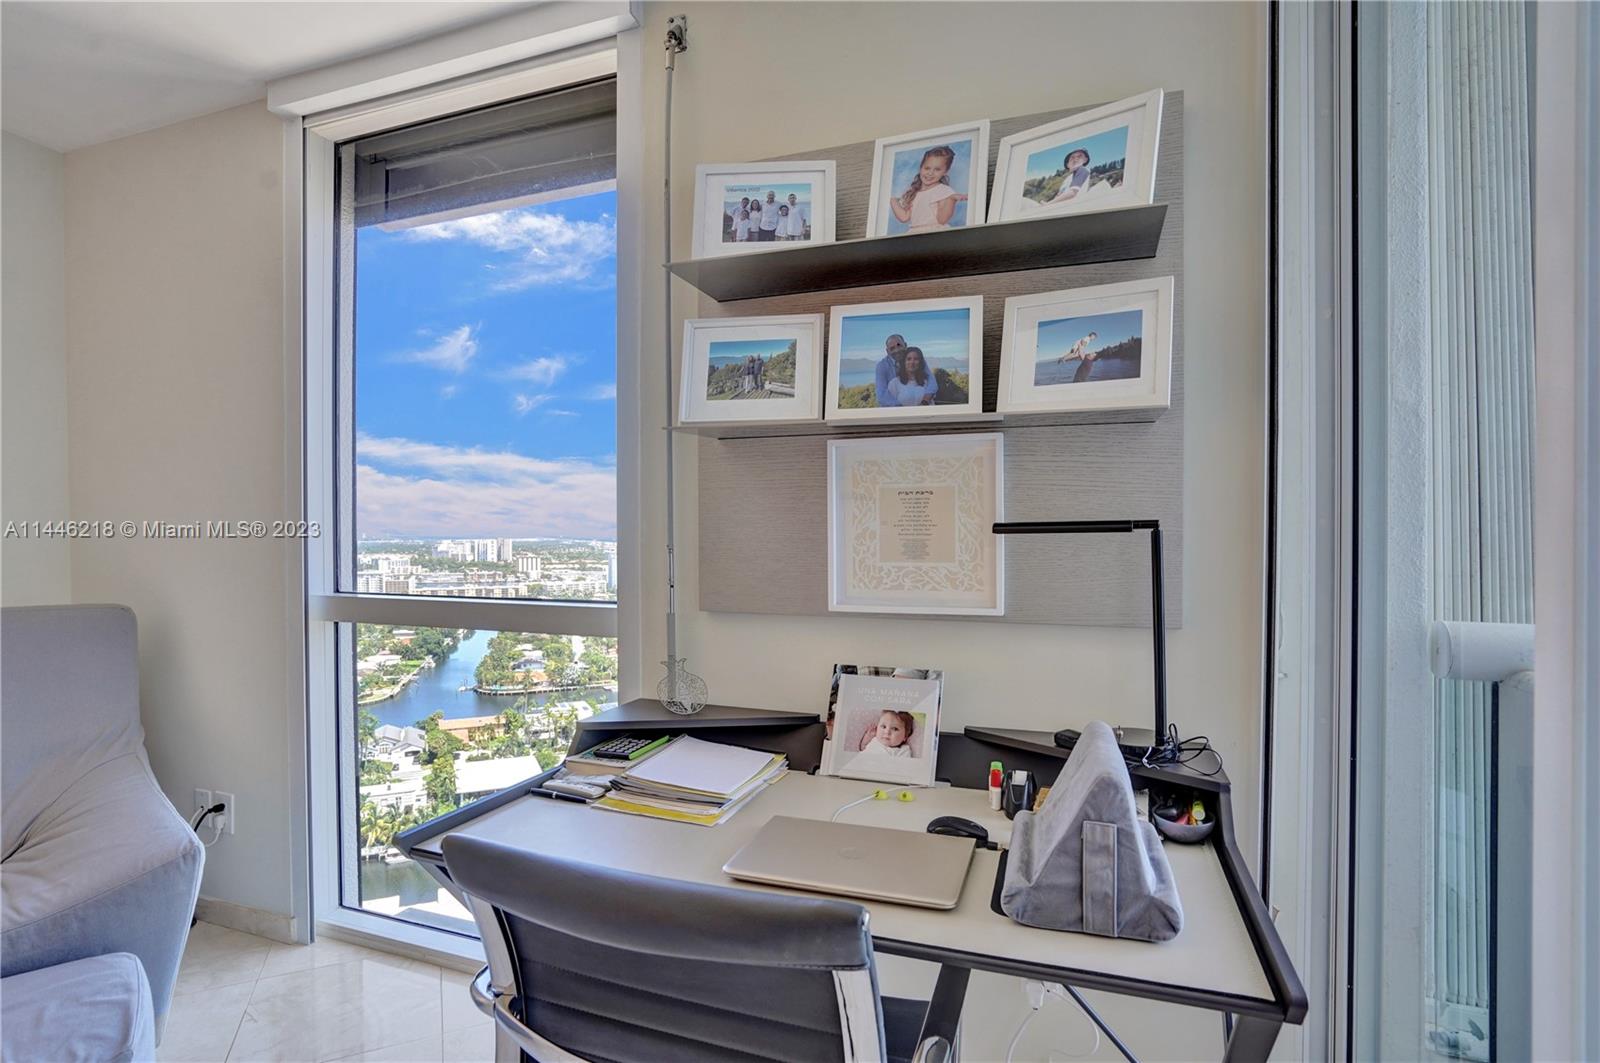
x,y
595,964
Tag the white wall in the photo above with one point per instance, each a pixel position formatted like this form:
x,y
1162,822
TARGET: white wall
x,y
772,79
33,373
175,370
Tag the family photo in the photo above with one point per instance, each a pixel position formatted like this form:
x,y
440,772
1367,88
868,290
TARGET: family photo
x,y
751,369
905,359
766,213
1092,347
1078,169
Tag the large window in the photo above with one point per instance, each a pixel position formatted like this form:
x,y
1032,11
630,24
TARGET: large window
x,y
465,603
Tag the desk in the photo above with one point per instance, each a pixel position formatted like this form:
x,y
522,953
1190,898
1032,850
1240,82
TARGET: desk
x,y
1226,958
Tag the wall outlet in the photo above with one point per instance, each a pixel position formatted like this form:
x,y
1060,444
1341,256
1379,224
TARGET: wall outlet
x,y
229,815
202,799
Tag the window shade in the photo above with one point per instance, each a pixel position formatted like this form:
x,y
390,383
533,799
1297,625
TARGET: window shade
x,y
543,147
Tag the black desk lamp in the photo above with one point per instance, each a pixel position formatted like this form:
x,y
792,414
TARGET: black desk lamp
x,y
1136,742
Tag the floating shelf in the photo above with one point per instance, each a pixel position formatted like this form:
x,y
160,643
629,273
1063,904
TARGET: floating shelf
x,y
648,714
988,422
1005,247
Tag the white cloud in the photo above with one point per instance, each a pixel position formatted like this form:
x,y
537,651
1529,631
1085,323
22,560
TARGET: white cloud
x,y
406,487
547,248
561,413
449,391
452,353
540,371
602,392
524,404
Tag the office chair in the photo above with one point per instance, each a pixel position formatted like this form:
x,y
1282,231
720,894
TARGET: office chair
x,y
593,964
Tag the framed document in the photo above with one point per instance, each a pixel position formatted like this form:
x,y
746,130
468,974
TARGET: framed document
x,y
910,525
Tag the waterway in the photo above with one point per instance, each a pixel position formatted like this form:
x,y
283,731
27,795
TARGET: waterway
x,y
439,690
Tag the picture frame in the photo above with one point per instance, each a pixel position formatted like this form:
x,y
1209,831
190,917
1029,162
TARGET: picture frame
x,y
737,370
715,236
1105,347
869,343
896,164
911,525
1034,175
883,724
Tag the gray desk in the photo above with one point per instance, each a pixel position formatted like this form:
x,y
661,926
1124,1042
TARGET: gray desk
x,y
1227,959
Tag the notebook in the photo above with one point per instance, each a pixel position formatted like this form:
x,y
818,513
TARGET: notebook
x,y
705,768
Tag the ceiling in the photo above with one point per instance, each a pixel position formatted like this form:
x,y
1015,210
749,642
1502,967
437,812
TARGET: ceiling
x,y
76,74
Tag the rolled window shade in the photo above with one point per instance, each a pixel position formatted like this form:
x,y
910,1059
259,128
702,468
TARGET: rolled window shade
x,y
544,147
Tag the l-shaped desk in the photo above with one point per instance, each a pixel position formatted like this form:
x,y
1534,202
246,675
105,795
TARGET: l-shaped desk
x,y
1228,957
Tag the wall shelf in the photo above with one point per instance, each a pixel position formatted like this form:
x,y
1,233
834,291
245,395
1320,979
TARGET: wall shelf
x,y
1005,247
856,429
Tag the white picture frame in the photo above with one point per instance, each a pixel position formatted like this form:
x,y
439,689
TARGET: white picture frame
x,y
715,182
1130,127
709,395
911,525
968,175
1106,347
947,333
863,696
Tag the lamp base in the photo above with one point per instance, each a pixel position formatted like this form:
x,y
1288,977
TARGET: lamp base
x,y
1135,742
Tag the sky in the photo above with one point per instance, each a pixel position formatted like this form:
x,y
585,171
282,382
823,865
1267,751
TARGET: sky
x,y
942,334
1057,337
724,351
908,163
1102,147
485,386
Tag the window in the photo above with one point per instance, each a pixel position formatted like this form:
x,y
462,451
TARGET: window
x,y
469,472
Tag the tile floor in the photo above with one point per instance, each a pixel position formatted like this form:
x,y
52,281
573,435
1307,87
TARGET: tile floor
x,y
241,997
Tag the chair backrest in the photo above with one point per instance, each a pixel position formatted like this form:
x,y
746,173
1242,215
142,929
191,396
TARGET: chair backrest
x,y
615,966
69,702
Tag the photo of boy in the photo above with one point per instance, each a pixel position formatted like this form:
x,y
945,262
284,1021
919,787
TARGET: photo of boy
x,y
1081,168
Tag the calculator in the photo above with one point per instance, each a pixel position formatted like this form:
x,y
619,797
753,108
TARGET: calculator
x,y
626,748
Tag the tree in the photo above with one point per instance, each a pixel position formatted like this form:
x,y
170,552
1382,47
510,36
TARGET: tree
x,y
441,785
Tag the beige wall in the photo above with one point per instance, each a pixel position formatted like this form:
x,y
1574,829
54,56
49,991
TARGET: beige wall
x,y
33,373
773,79
176,371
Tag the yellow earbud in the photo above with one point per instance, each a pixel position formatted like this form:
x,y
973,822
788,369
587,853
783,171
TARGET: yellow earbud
x,y
907,795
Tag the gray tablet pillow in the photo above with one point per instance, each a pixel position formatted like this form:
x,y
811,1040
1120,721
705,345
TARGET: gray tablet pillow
x,y
1087,861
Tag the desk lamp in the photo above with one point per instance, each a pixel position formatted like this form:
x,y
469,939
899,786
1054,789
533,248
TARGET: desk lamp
x,y
1137,743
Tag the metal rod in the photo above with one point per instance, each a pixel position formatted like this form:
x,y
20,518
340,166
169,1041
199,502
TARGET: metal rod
x,y
1095,1018
674,44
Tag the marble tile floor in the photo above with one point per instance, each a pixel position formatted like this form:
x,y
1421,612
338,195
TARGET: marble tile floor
x,y
241,997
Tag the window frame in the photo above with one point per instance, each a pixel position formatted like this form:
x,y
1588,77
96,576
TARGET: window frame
x,y
312,144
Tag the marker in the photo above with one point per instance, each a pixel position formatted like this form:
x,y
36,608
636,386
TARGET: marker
x,y
996,784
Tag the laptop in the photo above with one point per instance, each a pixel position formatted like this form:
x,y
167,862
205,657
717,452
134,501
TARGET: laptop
x,y
874,863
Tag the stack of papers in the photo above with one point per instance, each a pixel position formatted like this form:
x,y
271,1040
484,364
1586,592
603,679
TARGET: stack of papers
x,y
694,781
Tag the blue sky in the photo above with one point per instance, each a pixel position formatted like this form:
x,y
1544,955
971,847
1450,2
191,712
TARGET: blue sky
x,y
1102,147
486,374
724,351
1057,337
908,161
942,334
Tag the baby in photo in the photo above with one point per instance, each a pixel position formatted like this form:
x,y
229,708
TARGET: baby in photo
x,y
929,202
893,736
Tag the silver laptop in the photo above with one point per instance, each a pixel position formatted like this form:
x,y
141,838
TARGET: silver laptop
x,y
876,863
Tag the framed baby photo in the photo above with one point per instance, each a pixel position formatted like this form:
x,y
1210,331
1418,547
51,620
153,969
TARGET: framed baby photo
x,y
914,360
1100,159
739,370
883,724
743,207
911,525
929,181
1108,347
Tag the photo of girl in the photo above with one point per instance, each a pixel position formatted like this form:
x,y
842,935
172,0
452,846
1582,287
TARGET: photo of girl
x,y
891,735
930,181
914,385
929,202
883,724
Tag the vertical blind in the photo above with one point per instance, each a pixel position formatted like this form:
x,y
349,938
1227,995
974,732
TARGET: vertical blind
x,y
1481,318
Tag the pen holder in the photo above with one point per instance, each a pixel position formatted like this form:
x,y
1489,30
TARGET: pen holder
x,y
1017,796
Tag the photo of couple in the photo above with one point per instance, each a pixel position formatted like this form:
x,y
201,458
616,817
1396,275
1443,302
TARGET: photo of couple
x,y
765,213
1077,169
1077,350
880,368
751,369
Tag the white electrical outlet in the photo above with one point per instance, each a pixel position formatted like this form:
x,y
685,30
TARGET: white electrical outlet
x,y
231,814
202,799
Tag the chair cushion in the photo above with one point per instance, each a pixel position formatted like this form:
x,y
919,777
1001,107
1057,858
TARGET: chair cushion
x,y
69,702
95,1010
